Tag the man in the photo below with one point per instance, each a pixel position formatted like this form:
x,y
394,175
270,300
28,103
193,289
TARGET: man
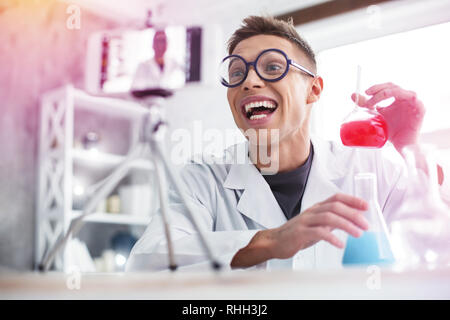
x,y
161,71
300,215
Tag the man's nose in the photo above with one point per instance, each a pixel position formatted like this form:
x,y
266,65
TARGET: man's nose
x,y
252,80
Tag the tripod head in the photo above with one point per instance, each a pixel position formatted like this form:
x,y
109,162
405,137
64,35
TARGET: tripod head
x,y
151,92
152,99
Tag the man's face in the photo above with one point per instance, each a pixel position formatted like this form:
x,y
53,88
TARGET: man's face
x,y
290,95
159,44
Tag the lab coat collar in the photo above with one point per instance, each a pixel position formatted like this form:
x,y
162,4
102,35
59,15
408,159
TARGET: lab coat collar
x,y
257,201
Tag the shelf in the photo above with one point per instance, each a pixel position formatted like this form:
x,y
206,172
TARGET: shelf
x,y
108,160
111,106
56,145
115,218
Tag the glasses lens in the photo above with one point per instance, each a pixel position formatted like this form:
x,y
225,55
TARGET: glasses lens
x,y
271,65
232,71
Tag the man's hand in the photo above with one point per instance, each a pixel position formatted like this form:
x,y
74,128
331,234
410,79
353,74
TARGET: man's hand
x,y
341,211
404,116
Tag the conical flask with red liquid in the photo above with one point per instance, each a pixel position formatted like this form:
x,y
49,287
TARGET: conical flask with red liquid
x,y
363,127
373,246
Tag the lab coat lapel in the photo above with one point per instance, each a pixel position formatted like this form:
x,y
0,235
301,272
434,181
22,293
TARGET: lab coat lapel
x,y
326,169
257,201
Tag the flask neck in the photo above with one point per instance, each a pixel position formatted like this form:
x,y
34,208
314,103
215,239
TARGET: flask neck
x,y
365,187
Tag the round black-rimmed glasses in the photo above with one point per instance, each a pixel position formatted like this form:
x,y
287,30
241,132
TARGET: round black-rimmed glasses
x,y
270,65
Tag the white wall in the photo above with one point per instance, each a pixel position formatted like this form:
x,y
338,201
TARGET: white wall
x,y
37,53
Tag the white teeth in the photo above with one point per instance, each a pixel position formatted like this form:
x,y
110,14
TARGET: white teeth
x,y
266,104
258,116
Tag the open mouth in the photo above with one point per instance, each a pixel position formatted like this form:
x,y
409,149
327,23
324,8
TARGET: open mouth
x,y
259,109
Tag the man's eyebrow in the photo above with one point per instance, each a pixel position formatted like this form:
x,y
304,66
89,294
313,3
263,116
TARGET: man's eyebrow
x,y
231,62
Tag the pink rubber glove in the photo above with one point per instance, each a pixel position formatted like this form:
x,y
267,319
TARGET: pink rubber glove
x,y
404,116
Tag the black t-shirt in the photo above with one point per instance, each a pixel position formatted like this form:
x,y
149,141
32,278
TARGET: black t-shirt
x,y
288,187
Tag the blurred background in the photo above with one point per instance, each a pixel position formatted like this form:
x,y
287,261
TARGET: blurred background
x,y
67,119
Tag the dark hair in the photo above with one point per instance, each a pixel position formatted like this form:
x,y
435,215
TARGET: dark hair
x,y
256,25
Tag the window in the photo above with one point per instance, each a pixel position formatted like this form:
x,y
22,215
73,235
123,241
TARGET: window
x,y
416,60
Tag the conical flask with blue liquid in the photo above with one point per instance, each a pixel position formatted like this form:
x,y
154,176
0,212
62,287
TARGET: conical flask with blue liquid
x,y
373,246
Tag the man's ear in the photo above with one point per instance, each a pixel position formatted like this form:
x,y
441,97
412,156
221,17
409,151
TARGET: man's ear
x,y
316,90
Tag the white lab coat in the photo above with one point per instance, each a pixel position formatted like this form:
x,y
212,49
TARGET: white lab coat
x,y
149,75
234,201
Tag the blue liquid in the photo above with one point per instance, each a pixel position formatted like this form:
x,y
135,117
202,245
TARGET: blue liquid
x,y
370,248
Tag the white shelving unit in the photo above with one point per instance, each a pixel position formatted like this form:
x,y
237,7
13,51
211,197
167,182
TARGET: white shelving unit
x,y
57,158
107,160
115,218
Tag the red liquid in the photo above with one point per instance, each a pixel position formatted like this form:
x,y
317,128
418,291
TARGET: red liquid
x,y
365,133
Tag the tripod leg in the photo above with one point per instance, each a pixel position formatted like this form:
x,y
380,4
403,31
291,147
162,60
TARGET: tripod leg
x,y
178,187
164,210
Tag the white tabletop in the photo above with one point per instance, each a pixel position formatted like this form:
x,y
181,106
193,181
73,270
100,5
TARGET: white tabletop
x,y
355,283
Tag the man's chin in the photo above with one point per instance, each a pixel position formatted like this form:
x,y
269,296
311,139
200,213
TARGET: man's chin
x,y
262,136
264,142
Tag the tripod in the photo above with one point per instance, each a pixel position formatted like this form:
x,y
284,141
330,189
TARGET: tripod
x,y
151,135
